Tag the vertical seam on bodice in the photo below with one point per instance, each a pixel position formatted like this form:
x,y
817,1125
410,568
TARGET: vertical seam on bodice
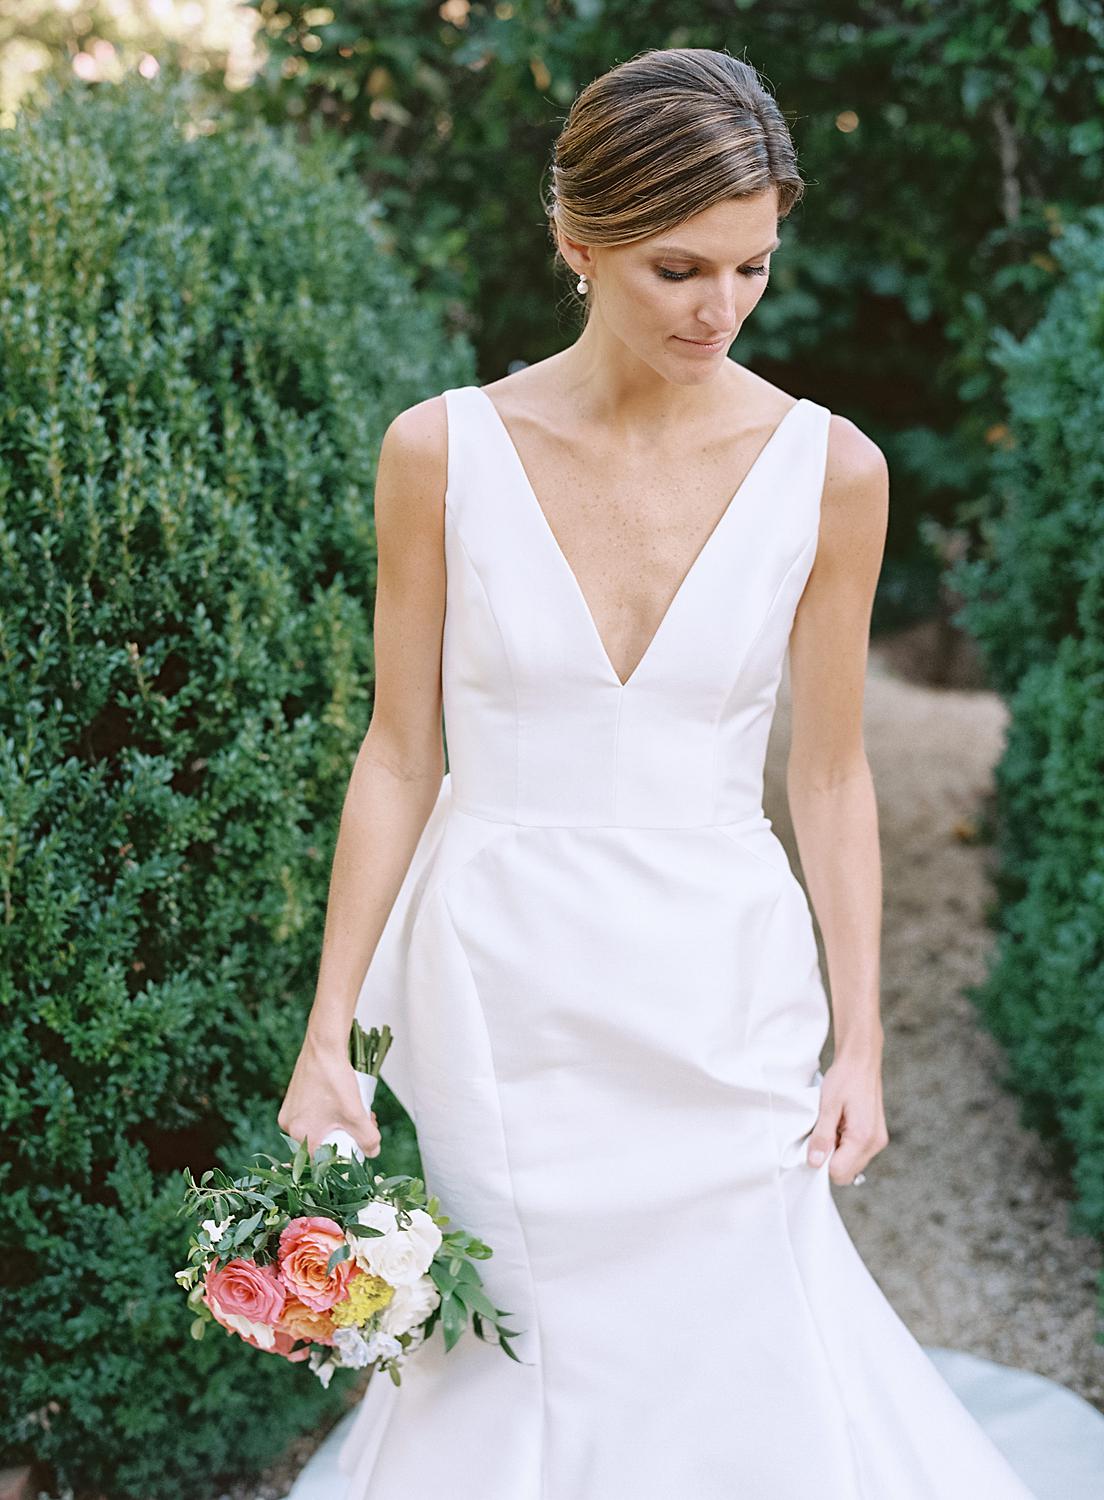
x,y
615,768
737,676
450,520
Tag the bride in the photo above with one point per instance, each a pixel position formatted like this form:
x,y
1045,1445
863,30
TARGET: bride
x,y
600,969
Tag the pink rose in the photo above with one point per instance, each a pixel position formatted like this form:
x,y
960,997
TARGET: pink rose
x,y
248,1299
305,1247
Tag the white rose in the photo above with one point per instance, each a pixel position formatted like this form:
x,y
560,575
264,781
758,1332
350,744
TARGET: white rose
x,y
424,1229
379,1215
399,1256
411,1305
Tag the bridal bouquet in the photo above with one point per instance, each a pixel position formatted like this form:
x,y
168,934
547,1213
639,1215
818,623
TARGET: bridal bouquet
x,y
319,1258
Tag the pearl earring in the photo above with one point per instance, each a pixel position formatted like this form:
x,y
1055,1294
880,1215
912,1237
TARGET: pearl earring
x,y
581,286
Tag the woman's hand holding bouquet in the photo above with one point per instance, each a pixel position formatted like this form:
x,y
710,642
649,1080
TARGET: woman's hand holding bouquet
x,y
321,1259
323,1092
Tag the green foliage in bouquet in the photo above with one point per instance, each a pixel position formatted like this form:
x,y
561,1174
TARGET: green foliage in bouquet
x,y
251,1213
247,1216
202,340
1035,602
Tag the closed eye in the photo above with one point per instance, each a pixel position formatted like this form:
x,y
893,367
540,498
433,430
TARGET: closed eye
x,y
685,275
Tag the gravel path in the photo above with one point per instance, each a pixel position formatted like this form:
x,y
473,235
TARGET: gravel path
x,y
961,1219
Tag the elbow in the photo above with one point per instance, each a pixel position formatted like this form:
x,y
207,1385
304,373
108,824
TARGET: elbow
x,y
820,774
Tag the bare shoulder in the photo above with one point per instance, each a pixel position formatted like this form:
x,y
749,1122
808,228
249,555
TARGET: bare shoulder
x,y
418,435
857,471
830,637
413,464
855,501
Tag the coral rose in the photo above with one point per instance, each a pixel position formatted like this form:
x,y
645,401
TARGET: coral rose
x,y
248,1299
305,1246
302,1322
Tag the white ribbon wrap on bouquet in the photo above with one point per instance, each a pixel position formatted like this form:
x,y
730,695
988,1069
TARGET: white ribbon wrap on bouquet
x,y
344,1142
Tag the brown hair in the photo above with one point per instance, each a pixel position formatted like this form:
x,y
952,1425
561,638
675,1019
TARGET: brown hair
x,y
661,137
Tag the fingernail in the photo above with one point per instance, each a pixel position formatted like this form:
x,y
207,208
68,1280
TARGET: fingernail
x,y
816,1157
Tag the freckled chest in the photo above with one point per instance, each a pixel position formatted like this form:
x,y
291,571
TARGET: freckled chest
x,y
630,527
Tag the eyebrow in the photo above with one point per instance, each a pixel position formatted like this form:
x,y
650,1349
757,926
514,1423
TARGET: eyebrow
x,y
693,255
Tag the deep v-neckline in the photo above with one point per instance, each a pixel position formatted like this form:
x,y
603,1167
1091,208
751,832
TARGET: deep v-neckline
x,y
687,578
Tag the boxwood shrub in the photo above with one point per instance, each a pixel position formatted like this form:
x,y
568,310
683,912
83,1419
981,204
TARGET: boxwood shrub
x,y
1035,602
203,336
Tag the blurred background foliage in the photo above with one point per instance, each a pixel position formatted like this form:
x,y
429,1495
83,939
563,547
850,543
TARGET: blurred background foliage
x,y
240,240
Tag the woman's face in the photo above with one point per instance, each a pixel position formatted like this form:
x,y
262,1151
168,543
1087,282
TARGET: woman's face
x,y
678,300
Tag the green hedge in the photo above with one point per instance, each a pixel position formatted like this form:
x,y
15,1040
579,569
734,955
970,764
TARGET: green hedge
x,y
1035,602
202,340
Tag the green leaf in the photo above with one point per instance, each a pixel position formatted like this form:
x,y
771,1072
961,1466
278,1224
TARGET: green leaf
x,y
475,1297
441,1276
337,1256
243,1230
504,1344
452,1320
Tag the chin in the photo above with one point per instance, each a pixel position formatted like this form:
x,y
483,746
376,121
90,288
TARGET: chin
x,y
696,371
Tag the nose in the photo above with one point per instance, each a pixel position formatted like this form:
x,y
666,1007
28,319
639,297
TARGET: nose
x,y
719,312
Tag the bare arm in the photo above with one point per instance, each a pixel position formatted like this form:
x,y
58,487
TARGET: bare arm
x,y
828,777
397,773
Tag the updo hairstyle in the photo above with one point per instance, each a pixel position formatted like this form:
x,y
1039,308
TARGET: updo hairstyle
x,y
661,137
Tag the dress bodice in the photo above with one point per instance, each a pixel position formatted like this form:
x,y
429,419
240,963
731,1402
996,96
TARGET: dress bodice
x,y
539,727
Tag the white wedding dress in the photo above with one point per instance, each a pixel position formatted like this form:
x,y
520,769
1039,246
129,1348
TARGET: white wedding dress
x,y
602,976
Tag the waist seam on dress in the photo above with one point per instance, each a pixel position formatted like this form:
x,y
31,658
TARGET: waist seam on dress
x,y
749,821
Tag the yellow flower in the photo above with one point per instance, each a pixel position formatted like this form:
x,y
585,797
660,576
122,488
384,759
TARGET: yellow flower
x,y
367,1294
